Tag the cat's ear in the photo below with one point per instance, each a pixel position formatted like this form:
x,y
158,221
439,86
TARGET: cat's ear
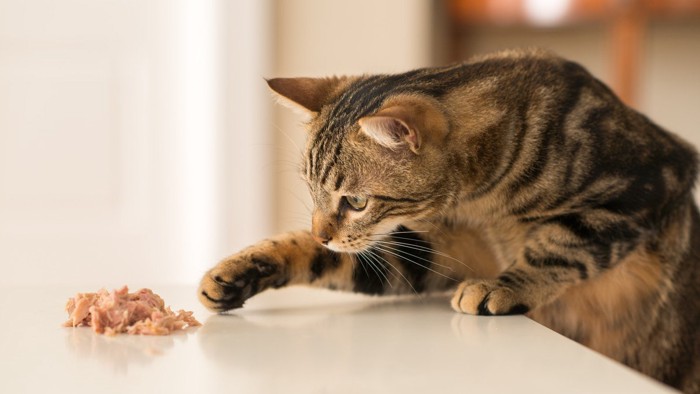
x,y
305,94
390,129
407,121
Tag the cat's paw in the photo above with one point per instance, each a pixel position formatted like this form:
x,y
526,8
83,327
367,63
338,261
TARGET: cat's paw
x,y
487,297
231,282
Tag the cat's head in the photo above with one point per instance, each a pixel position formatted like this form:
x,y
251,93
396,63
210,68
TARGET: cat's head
x,y
375,156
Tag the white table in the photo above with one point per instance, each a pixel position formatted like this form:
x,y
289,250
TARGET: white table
x,y
337,345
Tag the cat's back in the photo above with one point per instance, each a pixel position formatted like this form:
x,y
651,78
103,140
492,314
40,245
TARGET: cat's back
x,y
562,128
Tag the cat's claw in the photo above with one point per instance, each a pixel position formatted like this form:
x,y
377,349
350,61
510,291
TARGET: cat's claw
x,y
229,284
487,298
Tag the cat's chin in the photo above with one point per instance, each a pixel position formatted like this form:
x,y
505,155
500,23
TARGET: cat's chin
x,y
347,249
341,249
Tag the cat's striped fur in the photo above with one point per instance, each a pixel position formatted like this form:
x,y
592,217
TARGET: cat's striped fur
x,y
516,178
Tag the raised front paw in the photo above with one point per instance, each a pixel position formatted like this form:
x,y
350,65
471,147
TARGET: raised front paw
x,y
487,297
231,282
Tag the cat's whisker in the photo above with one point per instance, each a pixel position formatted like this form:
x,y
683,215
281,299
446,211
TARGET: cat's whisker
x,y
408,282
425,249
401,232
404,238
379,265
301,200
284,168
414,262
375,269
358,260
286,135
437,228
393,247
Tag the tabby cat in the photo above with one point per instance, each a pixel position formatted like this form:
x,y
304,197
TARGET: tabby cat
x,y
517,179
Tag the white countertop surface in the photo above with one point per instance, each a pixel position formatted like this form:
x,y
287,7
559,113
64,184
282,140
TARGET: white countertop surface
x,y
335,345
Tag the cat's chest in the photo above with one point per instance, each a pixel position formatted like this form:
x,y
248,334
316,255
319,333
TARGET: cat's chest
x,y
506,240
504,236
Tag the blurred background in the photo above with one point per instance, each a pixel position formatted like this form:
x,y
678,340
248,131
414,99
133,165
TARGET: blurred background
x,y
139,143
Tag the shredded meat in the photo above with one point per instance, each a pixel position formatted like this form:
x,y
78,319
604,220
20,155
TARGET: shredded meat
x,y
119,311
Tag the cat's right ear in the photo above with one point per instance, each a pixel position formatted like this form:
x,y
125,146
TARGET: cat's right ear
x,y
307,95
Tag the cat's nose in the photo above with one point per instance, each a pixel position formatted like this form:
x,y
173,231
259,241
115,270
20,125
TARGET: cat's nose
x,y
321,228
322,237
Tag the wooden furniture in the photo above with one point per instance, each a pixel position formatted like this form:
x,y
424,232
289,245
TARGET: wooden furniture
x,y
626,20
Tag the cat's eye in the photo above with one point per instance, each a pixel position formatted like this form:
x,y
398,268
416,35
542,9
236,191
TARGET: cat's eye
x,y
357,203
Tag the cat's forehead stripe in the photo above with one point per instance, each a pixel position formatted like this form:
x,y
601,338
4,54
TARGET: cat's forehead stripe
x,y
359,100
339,181
331,163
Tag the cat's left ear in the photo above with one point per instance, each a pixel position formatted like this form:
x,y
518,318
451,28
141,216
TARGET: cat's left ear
x,y
406,122
308,95
392,129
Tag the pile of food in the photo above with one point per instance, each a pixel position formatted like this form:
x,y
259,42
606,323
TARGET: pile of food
x,y
119,311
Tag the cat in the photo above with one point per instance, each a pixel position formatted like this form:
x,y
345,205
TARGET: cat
x,y
517,179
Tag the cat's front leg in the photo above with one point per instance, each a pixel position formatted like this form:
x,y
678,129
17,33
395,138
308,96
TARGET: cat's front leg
x,y
516,291
239,277
405,264
292,258
552,259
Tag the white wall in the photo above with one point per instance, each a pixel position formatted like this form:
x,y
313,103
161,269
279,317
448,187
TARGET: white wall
x,y
125,142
